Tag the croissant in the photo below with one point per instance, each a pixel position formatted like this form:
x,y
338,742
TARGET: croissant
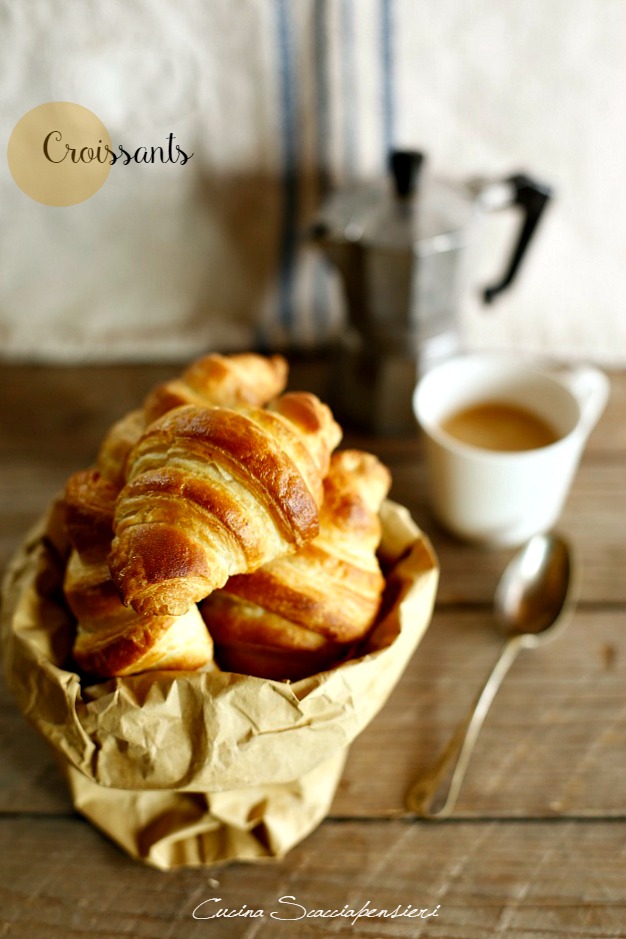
x,y
116,446
300,614
216,491
113,640
226,380
88,502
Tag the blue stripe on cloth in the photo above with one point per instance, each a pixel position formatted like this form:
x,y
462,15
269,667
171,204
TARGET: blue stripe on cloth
x,y
289,169
386,35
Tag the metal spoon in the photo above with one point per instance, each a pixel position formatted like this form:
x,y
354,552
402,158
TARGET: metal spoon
x,y
530,602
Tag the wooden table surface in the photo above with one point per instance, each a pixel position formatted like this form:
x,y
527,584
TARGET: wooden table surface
x,y
537,844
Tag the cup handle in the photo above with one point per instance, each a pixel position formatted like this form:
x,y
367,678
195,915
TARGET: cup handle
x,y
590,387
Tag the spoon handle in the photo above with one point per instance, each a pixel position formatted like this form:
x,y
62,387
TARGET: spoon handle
x,y
434,795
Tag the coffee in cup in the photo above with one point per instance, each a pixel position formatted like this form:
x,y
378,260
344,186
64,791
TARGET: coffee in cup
x,y
503,439
496,425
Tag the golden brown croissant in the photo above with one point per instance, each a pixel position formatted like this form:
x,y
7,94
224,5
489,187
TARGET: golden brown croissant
x,y
88,503
225,380
216,491
113,640
299,614
228,380
116,446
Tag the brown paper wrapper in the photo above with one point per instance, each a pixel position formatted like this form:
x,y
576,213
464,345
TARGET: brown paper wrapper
x,y
190,768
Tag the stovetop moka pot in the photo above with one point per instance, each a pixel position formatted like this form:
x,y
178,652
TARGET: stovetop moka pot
x,y
400,247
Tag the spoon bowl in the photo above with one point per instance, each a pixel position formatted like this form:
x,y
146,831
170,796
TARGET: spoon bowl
x,y
534,589
530,604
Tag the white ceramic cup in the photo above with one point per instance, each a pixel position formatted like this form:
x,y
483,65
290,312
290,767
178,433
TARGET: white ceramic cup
x,y
496,497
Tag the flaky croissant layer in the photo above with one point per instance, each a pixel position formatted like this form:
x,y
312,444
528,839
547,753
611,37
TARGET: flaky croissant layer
x,y
240,380
112,640
213,492
300,613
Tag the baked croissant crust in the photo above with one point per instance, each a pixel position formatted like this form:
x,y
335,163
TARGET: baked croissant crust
x,y
112,640
216,491
88,503
241,379
227,380
299,614
116,446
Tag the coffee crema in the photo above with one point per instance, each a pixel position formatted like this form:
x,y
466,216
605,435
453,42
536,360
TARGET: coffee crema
x,y
494,425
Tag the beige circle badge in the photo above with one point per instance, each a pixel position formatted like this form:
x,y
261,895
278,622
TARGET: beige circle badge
x,y
59,153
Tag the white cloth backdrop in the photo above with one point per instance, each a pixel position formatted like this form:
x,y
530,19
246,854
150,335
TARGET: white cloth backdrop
x,y
280,100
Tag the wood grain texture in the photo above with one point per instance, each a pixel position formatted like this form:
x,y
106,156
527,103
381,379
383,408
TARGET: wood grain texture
x,y
554,741
529,880
536,848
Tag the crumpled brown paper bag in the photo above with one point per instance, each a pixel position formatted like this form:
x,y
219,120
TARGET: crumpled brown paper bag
x,y
189,768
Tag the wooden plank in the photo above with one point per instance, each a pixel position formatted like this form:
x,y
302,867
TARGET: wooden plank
x,y
61,880
554,743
